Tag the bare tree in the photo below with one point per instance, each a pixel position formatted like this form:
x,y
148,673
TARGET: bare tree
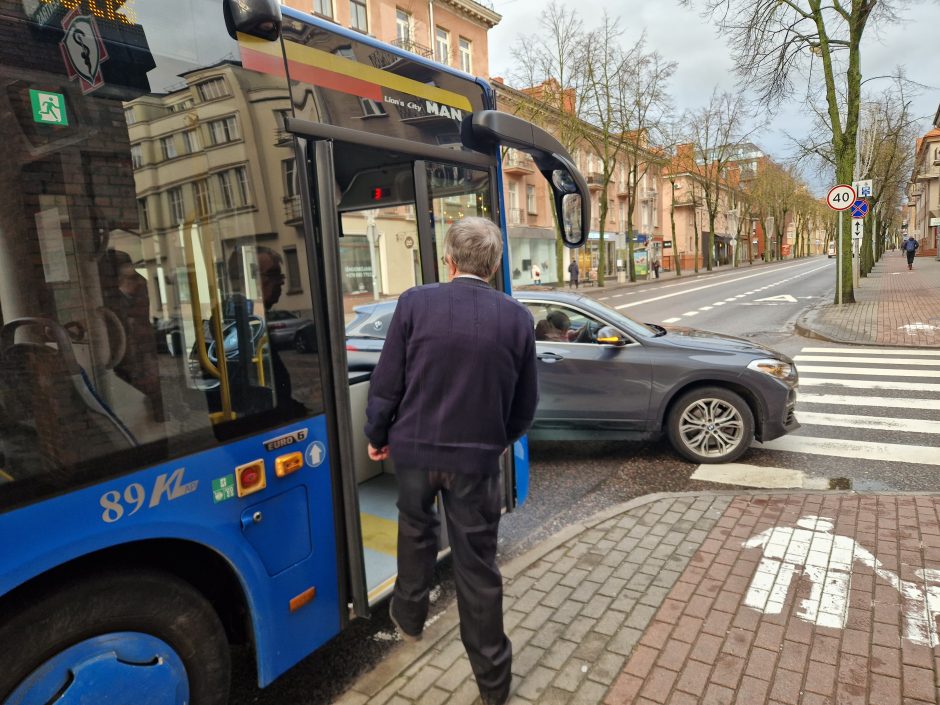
x,y
717,130
776,42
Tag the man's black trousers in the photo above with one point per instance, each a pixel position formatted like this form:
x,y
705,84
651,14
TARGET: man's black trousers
x,y
472,504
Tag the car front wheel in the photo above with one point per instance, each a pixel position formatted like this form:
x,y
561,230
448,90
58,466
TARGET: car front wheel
x,y
711,425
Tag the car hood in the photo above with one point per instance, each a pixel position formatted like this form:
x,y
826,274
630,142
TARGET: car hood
x,y
692,338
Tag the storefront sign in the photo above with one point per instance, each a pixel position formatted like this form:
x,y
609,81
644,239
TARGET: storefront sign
x,y
83,51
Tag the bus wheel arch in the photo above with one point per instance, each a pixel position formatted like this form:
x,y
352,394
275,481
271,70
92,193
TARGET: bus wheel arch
x,y
127,629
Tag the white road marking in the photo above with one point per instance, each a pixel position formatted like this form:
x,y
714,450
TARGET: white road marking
x,y
779,297
746,475
603,298
879,423
706,286
706,308
860,371
672,320
690,313
871,360
873,351
729,300
617,296
867,450
718,303
870,384
886,402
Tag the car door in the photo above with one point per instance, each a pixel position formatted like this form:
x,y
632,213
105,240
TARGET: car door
x,y
584,386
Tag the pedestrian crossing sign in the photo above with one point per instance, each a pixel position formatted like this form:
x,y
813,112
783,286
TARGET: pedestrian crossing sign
x,y
48,107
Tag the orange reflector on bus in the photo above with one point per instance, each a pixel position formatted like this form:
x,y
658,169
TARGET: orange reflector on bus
x,y
249,478
286,464
302,599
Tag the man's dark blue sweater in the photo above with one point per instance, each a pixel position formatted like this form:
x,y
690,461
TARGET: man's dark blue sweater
x,y
457,381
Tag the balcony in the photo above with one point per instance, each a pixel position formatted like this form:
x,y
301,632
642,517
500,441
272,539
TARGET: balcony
x,y
414,47
519,164
293,211
648,194
595,180
516,216
623,190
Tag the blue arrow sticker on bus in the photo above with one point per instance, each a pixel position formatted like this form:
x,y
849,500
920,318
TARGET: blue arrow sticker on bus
x,y
315,454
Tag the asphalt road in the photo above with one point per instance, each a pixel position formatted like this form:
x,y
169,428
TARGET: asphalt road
x,y
851,408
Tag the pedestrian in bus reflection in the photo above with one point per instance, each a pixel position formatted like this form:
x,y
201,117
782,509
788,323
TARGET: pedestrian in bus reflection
x,y
573,273
468,390
536,274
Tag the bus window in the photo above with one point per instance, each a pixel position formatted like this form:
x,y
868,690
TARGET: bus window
x,y
455,192
143,236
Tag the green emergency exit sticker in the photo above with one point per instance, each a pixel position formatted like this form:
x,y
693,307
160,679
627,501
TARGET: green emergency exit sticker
x,y
48,108
223,488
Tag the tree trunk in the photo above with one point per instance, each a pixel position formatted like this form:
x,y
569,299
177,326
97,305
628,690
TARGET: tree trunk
x,y
602,249
695,243
676,253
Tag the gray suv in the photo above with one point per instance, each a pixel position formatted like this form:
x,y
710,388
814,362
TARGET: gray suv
x,y
605,376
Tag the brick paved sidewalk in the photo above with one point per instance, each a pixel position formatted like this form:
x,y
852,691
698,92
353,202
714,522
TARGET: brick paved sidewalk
x,y
893,306
833,600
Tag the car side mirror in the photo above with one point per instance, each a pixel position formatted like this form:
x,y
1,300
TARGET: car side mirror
x,y
608,335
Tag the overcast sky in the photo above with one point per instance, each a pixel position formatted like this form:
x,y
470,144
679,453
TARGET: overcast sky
x,y
704,61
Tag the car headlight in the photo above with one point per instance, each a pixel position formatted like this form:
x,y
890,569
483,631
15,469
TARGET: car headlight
x,y
783,371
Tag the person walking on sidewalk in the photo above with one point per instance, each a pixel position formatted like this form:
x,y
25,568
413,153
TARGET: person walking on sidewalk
x,y
536,274
910,249
455,385
573,273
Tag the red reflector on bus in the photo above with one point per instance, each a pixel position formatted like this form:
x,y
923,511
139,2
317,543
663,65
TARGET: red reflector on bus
x,y
250,478
304,598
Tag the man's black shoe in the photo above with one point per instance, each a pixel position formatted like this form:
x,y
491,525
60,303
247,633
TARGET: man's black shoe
x,y
404,635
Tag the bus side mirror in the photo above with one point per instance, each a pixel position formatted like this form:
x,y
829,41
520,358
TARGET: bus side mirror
x,y
487,130
258,18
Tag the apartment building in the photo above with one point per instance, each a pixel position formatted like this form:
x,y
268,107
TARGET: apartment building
x,y
923,193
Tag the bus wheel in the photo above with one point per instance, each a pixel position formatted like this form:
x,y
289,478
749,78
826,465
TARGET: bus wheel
x,y
138,637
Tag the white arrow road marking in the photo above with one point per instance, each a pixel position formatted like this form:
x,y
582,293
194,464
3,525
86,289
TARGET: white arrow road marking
x,y
872,360
779,297
867,450
879,423
862,371
870,384
885,402
872,351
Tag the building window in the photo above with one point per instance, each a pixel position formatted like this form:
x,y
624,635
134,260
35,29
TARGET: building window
x,y
190,141
210,90
137,156
222,131
403,26
181,106
203,202
466,62
168,145
234,187
442,45
289,167
530,198
129,116
143,214
323,7
371,108
175,196
294,284
358,16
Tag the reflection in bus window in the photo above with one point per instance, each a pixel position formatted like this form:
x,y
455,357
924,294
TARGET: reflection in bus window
x,y
142,248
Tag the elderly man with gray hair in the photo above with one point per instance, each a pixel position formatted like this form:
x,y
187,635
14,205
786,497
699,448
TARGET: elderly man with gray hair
x,y
455,385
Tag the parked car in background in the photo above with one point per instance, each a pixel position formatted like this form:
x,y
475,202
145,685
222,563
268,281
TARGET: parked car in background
x,y
603,375
288,330
831,250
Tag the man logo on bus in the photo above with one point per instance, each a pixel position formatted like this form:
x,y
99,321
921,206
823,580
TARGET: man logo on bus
x,y
444,111
83,50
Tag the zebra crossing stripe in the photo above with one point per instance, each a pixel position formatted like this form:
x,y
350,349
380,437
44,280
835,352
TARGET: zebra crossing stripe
x,y
867,450
878,423
870,384
885,402
867,360
866,371
873,351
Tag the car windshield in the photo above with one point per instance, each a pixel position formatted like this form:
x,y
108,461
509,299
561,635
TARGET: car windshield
x,y
626,324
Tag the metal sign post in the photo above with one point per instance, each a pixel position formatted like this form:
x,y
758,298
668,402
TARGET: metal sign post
x,y
839,198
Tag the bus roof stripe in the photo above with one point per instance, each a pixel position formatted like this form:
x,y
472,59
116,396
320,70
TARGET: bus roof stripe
x,y
299,55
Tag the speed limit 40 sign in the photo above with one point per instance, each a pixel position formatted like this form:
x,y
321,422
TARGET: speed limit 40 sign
x,y
841,197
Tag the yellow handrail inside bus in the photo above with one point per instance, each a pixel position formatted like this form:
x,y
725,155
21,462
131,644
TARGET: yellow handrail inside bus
x,y
220,372
258,359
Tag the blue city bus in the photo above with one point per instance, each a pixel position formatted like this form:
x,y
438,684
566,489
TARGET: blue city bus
x,y
194,196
